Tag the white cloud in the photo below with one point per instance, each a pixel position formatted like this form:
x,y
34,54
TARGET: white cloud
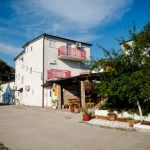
x,y
67,17
9,49
86,37
85,13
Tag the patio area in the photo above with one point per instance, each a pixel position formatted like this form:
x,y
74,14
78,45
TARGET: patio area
x,y
33,128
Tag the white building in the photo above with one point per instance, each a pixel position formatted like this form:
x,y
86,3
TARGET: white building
x,y
46,58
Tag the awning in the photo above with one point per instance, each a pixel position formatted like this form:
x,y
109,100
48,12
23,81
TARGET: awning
x,y
82,77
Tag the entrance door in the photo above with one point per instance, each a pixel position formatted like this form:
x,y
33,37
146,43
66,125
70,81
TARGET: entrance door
x,y
48,97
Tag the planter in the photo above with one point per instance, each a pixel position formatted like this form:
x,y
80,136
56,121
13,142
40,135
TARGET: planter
x,y
104,118
121,119
145,122
76,110
55,107
86,117
96,117
131,125
66,106
112,117
99,107
71,109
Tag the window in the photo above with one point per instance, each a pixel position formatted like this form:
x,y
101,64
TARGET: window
x,y
69,45
18,76
31,48
69,48
30,70
18,61
22,80
83,48
53,44
22,66
32,91
52,64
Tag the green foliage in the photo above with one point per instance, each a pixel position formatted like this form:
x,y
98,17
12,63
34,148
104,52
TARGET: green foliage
x,y
85,110
0,86
6,72
54,102
2,147
126,76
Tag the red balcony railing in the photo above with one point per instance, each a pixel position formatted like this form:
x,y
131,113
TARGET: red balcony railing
x,y
73,52
55,73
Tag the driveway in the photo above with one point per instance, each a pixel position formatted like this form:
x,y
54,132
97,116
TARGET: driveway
x,y
33,128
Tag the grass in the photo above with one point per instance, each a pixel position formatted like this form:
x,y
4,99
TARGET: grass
x,y
2,147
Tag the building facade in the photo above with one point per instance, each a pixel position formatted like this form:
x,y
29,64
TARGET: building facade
x,y
47,58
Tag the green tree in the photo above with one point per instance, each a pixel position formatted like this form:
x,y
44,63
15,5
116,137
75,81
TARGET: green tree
x,y
125,79
7,73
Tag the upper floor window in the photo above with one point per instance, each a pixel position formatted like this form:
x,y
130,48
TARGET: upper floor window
x,y
22,80
52,65
53,43
69,45
83,48
18,76
26,50
32,91
30,70
31,48
22,66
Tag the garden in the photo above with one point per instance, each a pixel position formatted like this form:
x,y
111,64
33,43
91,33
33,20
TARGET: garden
x,y
120,95
122,89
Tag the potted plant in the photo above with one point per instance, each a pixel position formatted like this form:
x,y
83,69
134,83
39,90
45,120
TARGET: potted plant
x,y
97,116
121,119
131,122
88,86
98,106
66,106
86,113
55,103
76,108
104,117
112,116
71,107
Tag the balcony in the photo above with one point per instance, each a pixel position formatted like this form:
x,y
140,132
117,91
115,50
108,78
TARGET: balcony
x,y
59,74
71,54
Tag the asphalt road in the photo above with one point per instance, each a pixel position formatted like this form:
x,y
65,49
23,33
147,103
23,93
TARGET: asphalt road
x,y
30,128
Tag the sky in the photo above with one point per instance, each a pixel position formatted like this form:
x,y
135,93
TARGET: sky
x,y
99,22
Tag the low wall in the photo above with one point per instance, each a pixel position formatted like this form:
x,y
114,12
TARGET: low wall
x,y
124,115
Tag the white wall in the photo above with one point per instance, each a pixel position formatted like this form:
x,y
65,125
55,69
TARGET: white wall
x,y
51,55
32,61
33,58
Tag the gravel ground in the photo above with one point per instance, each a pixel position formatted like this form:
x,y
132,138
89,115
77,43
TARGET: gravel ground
x,y
33,128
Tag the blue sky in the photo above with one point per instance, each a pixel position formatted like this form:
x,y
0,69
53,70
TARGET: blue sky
x,y
94,21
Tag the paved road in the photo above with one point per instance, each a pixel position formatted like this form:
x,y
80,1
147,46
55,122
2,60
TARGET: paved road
x,y
29,128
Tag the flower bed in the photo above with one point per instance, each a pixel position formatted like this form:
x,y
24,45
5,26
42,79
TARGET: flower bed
x,y
112,124
122,115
